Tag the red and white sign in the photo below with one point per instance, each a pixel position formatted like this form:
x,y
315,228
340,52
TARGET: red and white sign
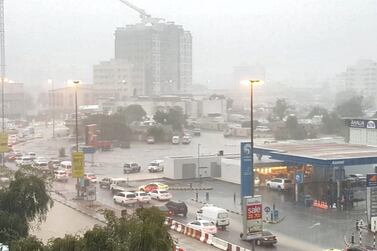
x,y
254,212
253,221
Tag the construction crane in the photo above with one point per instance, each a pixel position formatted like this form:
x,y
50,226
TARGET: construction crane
x,y
143,15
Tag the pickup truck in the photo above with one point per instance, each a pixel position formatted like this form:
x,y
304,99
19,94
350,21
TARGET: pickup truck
x,y
118,185
105,183
131,168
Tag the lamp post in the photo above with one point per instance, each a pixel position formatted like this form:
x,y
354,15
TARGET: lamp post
x,y
53,106
76,83
252,83
199,175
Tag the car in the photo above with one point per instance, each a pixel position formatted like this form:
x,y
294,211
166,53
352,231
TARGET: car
x,y
150,140
60,175
118,185
40,162
32,155
279,183
143,197
186,139
54,163
203,226
267,239
131,168
91,177
196,131
262,129
156,166
38,135
105,183
24,161
177,208
67,166
160,195
356,177
153,186
175,140
125,198
11,156
164,210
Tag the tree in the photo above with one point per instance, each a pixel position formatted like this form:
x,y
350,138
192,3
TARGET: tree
x,y
157,133
332,124
280,108
161,117
176,118
352,107
317,111
68,242
132,113
24,201
28,243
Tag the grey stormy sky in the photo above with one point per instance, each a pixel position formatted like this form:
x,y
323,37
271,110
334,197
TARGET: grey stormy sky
x,y
293,39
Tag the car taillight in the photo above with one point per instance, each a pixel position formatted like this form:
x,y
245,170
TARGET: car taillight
x,y
170,212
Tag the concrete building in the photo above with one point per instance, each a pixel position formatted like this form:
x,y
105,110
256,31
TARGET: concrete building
x,y
120,77
362,77
14,100
165,50
362,131
186,167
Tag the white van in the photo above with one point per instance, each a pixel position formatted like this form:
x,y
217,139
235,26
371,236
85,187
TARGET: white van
x,y
175,140
156,166
216,215
66,165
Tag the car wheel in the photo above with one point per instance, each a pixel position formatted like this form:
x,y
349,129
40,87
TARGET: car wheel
x,y
268,186
258,242
279,187
115,201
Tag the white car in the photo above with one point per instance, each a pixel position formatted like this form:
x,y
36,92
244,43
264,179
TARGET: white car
x,y
32,155
280,184
125,198
91,177
143,197
156,166
256,181
24,161
40,162
203,226
186,139
175,140
160,195
60,175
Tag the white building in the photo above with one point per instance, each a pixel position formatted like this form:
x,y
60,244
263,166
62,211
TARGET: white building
x,y
362,131
362,77
120,76
186,167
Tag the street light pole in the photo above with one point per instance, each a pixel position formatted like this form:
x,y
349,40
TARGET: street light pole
x,y
252,136
200,177
76,83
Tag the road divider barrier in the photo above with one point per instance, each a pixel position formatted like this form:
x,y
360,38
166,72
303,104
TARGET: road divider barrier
x,y
202,236
191,188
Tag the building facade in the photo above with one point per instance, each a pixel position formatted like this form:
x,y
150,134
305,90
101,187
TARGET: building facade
x,y
14,100
119,76
362,131
165,51
362,77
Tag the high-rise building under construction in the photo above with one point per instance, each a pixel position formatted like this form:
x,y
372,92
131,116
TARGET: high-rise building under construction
x,y
162,50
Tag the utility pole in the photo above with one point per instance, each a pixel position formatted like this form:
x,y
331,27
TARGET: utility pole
x,y
2,63
76,83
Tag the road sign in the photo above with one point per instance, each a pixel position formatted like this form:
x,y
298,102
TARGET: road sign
x,y
253,222
4,143
246,169
299,177
267,209
78,164
88,149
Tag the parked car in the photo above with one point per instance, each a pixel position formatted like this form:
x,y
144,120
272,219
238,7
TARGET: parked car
x,y
150,140
60,175
280,184
203,226
153,186
217,215
67,166
11,156
32,155
91,177
175,140
356,177
54,163
124,198
143,197
177,208
160,195
196,131
131,168
40,162
186,139
118,185
24,161
256,181
156,166
105,183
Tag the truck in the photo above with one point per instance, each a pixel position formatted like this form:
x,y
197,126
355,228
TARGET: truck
x,y
118,185
131,168
216,215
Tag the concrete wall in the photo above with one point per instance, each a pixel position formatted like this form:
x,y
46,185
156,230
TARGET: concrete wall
x,y
174,165
230,170
363,136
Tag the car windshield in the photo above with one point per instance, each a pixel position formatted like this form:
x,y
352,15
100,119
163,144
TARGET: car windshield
x,y
142,194
207,224
131,195
163,191
223,215
153,164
